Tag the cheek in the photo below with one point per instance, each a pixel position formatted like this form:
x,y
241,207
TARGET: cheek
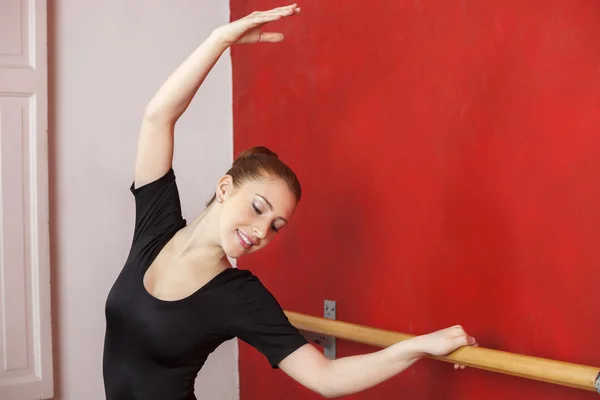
x,y
234,216
231,221
227,227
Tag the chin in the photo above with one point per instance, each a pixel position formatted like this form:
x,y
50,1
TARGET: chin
x,y
234,251
234,255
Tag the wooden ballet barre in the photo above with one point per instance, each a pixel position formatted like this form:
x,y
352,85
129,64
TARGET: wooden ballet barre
x,y
540,369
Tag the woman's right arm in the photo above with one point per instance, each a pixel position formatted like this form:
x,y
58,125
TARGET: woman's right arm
x,y
155,144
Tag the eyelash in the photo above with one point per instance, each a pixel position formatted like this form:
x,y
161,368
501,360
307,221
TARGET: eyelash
x,y
257,211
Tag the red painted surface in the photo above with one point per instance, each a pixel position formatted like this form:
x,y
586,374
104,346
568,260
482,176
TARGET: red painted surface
x,y
450,159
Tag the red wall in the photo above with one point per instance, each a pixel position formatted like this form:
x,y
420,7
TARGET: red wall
x,y
449,153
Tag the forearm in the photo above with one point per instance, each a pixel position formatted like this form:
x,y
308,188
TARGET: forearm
x,y
175,95
356,373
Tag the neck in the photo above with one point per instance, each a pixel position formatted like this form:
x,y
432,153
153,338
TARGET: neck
x,y
198,243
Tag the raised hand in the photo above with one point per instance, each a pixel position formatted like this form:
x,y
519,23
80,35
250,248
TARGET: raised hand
x,y
249,28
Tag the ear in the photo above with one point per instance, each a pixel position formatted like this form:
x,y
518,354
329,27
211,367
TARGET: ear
x,y
224,187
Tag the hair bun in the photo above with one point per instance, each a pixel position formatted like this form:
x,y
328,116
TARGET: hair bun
x,y
259,162
254,151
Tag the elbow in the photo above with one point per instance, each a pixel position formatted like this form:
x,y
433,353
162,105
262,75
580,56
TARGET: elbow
x,y
156,115
327,392
328,385
319,384
329,395
151,112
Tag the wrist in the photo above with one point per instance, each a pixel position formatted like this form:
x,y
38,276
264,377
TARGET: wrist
x,y
418,346
218,38
411,351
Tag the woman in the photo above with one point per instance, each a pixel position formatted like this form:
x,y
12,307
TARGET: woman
x,y
178,298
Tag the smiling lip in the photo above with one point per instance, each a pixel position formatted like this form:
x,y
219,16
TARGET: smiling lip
x,y
247,243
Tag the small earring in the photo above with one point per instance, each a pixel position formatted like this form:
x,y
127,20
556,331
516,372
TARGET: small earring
x,y
219,199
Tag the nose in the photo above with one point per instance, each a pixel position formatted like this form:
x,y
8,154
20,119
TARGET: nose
x,y
261,229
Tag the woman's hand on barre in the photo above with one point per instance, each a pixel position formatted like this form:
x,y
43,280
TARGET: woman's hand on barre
x,y
248,28
352,374
445,341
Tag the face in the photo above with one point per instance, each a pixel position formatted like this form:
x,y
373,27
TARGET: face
x,y
253,213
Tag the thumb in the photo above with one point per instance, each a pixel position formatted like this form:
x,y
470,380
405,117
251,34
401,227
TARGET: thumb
x,y
270,37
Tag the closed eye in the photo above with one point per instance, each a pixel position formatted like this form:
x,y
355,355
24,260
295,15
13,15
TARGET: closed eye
x,y
257,211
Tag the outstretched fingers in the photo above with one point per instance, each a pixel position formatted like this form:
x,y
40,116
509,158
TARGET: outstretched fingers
x,y
275,14
259,18
286,9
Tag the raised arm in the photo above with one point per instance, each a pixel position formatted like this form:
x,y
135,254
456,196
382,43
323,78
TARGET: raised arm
x,y
353,374
155,144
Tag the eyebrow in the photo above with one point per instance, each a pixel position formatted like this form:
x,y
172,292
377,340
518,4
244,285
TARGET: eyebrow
x,y
270,206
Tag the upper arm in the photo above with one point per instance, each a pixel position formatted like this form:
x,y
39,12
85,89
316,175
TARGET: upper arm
x,y
155,151
308,366
258,319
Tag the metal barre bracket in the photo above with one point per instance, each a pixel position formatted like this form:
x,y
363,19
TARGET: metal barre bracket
x,y
598,383
327,342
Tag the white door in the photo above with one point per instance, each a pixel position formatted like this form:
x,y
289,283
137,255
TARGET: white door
x,y
25,329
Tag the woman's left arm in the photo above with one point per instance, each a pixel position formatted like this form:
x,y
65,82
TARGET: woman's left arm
x,y
348,375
